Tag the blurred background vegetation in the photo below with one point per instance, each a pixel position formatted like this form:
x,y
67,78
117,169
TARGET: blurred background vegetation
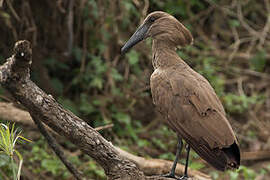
x,y
76,58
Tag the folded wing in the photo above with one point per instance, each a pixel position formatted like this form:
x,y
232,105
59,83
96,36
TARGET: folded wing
x,y
191,108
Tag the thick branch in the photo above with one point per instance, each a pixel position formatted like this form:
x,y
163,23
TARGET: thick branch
x,y
15,77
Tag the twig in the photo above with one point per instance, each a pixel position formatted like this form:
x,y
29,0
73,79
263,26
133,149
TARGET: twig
x,y
245,25
255,155
266,27
70,20
145,8
13,11
5,98
236,44
104,127
84,53
253,73
240,86
31,27
60,6
56,148
1,3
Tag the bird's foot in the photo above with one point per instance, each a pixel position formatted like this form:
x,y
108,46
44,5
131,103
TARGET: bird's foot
x,y
170,175
185,177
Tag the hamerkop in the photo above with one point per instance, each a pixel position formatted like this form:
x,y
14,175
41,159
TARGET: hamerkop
x,y
185,98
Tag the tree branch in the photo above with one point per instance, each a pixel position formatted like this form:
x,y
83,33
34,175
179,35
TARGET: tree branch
x,y
15,77
148,166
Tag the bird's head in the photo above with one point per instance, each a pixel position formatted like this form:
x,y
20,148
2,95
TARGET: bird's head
x,y
160,26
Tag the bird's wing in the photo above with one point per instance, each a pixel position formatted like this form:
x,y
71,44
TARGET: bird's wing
x,y
189,104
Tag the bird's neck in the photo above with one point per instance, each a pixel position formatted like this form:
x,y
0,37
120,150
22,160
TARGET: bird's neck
x,y
164,55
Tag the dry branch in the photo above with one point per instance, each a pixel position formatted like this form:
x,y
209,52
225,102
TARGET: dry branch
x,y
10,113
256,155
15,77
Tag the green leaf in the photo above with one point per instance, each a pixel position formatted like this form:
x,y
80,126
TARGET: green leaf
x,y
19,155
169,156
233,175
57,85
258,61
4,160
122,117
268,167
23,138
133,57
234,23
85,106
214,175
69,105
196,165
97,82
52,165
77,53
115,74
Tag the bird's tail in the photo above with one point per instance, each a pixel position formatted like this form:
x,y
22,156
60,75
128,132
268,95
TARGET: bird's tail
x,y
233,156
221,159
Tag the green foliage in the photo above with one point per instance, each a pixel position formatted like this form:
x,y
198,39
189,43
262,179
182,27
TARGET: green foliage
x,y
233,175
234,23
133,57
2,59
68,104
241,103
52,165
243,172
44,161
6,165
98,171
247,172
8,139
258,61
209,70
180,8
48,161
196,165
168,156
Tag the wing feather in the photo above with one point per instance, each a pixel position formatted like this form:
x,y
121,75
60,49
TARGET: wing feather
x,y
191,108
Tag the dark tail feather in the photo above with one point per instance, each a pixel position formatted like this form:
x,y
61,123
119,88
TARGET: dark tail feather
x,y
233,156
221,159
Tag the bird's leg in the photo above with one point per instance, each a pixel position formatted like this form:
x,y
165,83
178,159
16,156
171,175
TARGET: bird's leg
x,y
178,152
186,165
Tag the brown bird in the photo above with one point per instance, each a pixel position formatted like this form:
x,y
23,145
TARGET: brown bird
x,y
185,98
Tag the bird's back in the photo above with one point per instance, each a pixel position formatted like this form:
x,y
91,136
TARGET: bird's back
x,y
192,109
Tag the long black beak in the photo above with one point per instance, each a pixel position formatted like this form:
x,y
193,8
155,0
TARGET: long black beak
x,y
138,36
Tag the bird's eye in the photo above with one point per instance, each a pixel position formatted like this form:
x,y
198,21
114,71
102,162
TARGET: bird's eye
x,y
152,19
